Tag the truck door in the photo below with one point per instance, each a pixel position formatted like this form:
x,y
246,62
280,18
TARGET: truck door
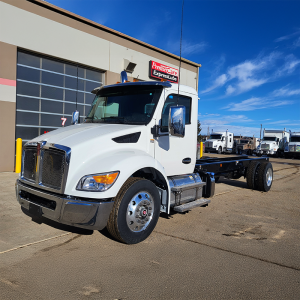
x,y
177,155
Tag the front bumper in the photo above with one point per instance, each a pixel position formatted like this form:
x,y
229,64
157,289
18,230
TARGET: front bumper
x,y
84,214
271,152
209,149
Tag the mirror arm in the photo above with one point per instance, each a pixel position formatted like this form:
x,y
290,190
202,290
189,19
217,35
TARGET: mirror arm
x,y
155,131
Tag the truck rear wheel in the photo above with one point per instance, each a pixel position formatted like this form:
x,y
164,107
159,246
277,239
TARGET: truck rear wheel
x,y
265,177
135,211
252,174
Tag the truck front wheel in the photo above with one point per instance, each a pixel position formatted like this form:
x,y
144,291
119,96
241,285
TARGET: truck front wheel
x,y
135,211
220,150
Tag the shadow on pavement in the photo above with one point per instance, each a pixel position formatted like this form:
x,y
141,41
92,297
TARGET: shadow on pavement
x,y
236,183
68,228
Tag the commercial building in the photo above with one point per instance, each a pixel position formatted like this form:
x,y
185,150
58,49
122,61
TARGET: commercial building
x,y
51,60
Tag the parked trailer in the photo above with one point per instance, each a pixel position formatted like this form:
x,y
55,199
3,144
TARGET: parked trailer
x,y
132,159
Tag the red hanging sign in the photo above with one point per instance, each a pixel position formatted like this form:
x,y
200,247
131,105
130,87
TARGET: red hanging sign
x,y
160,71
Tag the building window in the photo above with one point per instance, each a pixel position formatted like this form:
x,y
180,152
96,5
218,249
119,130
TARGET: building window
x,y
48,90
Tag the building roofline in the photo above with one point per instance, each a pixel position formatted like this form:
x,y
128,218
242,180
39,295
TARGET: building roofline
x,y
107,29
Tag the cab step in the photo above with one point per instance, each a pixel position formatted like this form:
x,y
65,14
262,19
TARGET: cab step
x,y
191,205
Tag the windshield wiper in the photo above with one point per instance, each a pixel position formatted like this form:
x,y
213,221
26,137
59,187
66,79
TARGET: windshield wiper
x,y
113,118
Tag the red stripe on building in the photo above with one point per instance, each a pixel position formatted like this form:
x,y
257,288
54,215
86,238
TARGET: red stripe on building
x,y
8,82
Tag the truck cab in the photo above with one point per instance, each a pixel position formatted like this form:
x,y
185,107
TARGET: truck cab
x,y
293,147
246,145
272,142
220,142
129,144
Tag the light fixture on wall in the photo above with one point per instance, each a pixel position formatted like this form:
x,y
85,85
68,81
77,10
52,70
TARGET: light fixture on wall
x,y
129,66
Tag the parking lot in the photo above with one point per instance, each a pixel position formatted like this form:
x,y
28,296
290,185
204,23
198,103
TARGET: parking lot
x,y
244,245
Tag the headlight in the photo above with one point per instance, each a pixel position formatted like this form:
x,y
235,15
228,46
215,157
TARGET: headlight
x,y
97,182
215,146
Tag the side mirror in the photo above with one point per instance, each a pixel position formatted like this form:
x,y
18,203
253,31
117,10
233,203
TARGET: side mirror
x,y
177,120
75,117
223,138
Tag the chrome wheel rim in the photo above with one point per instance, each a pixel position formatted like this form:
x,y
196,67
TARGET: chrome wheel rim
x,y
140,212
269,176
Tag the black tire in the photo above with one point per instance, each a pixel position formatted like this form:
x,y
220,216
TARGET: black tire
x,y
217,179
251,175
137,226
265,177
220,150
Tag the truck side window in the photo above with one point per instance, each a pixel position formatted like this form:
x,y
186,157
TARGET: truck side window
x,y
172,101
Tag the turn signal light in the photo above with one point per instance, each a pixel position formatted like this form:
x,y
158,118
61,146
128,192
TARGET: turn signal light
x,y
106,179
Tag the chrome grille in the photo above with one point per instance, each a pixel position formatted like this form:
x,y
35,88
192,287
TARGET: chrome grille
x,y
265,146
29,163
52,168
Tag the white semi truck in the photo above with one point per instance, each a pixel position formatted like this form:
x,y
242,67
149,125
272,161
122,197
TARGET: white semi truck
x,y
272,142
132,158
293,147
220,142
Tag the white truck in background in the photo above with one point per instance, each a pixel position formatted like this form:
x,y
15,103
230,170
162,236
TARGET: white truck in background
x,y
293,147
133,158
220,142
273,142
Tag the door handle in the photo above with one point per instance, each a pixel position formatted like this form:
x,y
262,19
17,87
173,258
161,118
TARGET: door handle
x,y
186,160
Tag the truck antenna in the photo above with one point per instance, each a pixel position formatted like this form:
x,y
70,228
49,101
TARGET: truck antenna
x,y
180,50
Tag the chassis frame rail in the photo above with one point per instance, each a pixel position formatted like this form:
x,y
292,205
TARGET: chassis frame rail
x,y
223,166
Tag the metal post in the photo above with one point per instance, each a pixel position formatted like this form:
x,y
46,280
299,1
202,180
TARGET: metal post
x,y
18,155
201,149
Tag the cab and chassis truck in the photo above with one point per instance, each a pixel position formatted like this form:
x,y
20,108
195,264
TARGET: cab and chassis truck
x,y
132,159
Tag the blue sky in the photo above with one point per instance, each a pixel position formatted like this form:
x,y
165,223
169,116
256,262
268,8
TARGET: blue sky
x,y
249,51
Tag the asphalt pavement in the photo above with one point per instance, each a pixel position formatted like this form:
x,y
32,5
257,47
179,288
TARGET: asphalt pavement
x,y
243,245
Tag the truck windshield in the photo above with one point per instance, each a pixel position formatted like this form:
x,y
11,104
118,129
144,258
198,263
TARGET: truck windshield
x,y
295,139
244,141
125,105
215,136
269,138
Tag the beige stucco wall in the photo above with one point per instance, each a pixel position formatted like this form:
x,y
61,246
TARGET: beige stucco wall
x,y
8,61
46,36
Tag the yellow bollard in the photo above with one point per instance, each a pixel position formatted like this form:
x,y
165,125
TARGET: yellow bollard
x,y
18,155
201,149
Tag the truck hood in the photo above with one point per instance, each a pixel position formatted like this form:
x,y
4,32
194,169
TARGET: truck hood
x,y
75,135
214,141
